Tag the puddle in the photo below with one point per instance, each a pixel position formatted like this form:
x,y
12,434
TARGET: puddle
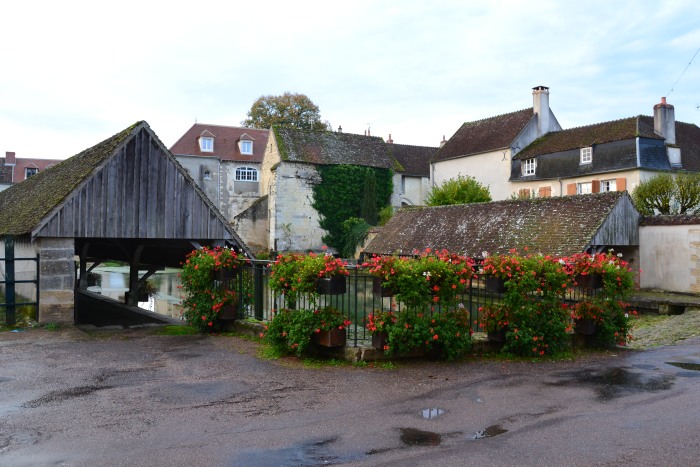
x,y
686,366
432,413
5,380
61,396
493,430
311,453
414,437
611,383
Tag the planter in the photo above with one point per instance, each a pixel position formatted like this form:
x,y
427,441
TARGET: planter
x,y
334,285
589,281
226,277
229,312
498,336
379,340
495,284
378,288
585,327
333,338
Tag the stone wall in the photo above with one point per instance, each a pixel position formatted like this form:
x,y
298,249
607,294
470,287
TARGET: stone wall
x,y
253,227
670,257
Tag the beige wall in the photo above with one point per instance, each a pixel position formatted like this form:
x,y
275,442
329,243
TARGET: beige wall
x,y
491,169
413,191
670,257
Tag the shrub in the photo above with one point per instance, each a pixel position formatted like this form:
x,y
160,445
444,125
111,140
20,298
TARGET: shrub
x,y
295,274
290,331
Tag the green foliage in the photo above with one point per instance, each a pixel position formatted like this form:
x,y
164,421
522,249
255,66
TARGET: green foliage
x,y
668,194
385,213
460,190
336,197
354,234
290,331
368,207
288,110
296,274
205,296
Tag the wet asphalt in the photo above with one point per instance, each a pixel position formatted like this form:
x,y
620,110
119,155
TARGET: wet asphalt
x,y
131,398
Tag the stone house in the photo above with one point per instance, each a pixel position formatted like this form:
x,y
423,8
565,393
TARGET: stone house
x,y
413,181
556,226
484,149
15,169
607,156
106,204
225,163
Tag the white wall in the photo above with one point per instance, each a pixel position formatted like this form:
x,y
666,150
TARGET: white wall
x,y
670,257
491,169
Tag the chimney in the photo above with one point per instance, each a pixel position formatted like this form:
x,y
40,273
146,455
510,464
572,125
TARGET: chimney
x,y
10,158
665,121
442,143
540,105
340,129
390,141
665,125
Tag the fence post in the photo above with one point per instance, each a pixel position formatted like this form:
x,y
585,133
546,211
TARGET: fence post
x,y
258,290
10,318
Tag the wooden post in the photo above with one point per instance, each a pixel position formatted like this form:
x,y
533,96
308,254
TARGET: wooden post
x,y
132,297
10,317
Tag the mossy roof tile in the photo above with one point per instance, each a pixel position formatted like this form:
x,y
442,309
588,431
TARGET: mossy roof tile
x,y
415,160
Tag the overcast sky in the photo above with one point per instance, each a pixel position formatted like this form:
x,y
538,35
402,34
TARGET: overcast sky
x,y
76,72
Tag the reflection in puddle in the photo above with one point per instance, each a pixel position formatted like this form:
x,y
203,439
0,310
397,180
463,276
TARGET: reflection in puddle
x,y
305,454
686,366
432,413
414,437
611,383
493,430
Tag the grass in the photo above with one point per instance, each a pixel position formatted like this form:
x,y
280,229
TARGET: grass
x,y
177,331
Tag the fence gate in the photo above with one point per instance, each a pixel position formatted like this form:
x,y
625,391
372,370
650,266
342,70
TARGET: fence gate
x,y
10,304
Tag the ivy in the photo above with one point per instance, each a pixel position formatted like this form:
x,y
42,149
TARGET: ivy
x,y
339,196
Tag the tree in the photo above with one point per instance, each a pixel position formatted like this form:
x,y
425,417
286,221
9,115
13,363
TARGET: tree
x,y
668,194
288,110
460,190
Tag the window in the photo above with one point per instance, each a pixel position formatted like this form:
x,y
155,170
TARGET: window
x,y
246,174
529,166
584,188
608,185
29,171
206,144
586,155
207,175
246,147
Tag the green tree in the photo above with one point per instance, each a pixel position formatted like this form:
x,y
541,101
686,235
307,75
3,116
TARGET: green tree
x,y
460,190
369,209
355,232
668,194
288,110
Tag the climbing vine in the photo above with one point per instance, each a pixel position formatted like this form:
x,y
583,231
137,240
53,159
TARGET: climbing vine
x,y
340,194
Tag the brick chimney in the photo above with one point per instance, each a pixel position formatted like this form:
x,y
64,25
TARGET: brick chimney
x,y
665,125
442,143
10,158
540,105
390,141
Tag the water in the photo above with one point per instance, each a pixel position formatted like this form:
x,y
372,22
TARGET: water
x,y
167,300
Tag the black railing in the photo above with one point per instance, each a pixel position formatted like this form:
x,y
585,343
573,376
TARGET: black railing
x,y
359,299
10,305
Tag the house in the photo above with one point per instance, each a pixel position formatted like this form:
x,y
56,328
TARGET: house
x,y
556,226
225,163
484,149
413,184
284,218
607,156
15,169
106,204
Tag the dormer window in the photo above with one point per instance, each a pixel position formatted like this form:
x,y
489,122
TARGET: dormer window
x,y
529,166
586,155
29,171
206,144
245,144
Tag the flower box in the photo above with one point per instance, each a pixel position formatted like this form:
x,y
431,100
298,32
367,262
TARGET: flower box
x,y
333,338
378,288
584,326
589,281
334,285
495,284
379,340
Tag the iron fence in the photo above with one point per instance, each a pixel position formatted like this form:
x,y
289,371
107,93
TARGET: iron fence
x,y
360,299
10,303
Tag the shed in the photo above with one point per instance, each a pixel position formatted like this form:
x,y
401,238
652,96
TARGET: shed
x,y
125,199
556,226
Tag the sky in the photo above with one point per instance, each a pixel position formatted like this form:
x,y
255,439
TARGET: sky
x,y
74,73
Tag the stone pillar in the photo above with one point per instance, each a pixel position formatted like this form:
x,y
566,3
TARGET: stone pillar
x,y
57,280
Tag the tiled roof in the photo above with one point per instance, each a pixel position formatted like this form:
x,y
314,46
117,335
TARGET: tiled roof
x,y
485,135
559,226
225,142
331,148
683,219
415,160
585,136
688,139
25,204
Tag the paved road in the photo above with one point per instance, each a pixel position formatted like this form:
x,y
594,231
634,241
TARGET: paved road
x,y
131,398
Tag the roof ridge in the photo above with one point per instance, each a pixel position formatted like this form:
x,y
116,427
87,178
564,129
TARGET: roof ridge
x,y
499,116
413,145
